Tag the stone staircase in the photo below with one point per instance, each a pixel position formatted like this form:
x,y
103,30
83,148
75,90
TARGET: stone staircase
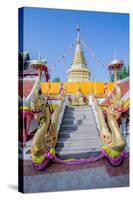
x,y
78,136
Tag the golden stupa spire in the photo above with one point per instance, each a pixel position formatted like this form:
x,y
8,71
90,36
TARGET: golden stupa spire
x,y
78,33
78,56
78,72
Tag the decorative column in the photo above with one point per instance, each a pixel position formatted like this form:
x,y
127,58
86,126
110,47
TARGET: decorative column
x,y
114,65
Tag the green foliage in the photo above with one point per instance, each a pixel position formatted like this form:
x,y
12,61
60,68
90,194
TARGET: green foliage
x,y
128,70
111,77
121,74
57,79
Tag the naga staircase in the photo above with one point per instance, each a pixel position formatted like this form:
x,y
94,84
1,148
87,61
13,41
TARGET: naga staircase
x,y
78,136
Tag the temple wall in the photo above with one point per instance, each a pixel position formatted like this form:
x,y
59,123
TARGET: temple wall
x,y
51,87
71,87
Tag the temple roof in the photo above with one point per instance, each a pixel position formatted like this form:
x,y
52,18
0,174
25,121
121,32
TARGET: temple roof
x,y
25,87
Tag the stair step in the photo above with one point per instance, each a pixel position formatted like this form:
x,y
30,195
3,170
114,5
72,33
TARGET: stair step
x,y
86,119
86,112
75,120
79,117
75,148
93,131
77,107
78,135
80,124
77,144
78,140
78,154
78,129
78,114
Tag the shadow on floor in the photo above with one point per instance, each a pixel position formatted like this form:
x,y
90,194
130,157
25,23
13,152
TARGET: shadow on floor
x,y
13,187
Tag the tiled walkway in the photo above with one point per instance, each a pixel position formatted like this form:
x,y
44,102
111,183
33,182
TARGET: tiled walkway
x,y
57,177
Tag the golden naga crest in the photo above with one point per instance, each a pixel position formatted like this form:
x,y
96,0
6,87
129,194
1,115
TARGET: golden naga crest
x,y
38,105
112,113
45,137
110,133
115,101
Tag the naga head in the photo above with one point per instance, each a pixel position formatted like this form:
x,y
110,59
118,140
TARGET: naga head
x,y
115,100
38,105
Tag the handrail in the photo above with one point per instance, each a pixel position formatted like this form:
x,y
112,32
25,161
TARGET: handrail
x,y
61,113
103,128
95,113
50,106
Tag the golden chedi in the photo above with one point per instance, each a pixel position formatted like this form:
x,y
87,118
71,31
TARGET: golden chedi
x,y
79,71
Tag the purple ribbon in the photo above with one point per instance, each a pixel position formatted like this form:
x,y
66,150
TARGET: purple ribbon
x,y
80,161
115,161
44,164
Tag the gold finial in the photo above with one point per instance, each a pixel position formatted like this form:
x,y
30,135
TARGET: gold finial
x,y
78,33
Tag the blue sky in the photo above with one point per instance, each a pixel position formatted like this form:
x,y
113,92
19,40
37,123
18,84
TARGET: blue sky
x,y
52,31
